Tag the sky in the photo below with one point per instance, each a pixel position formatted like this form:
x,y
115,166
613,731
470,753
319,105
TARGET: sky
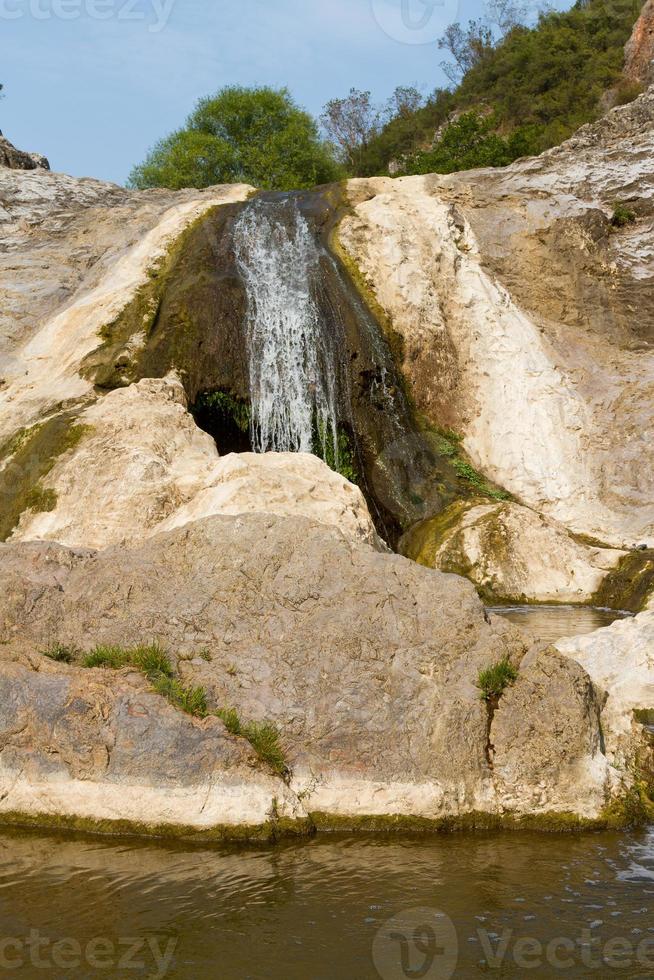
x,y
93,84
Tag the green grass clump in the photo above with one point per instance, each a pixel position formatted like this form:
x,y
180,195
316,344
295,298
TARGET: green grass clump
x,y
61,653
264,739
231,720
152,660
622,216
494,680
111,657
192,700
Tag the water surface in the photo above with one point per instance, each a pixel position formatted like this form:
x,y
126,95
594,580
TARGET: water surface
x,y
552,623
332,906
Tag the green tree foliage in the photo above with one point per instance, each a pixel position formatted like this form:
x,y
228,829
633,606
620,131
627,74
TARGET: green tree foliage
x,y
254,135
537,85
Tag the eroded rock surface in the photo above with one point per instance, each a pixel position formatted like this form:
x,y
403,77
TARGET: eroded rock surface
x,y
528,318
15,159
142,465
511,553
639,51
366,662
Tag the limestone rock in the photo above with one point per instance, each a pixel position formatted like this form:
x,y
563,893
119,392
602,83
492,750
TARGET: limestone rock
x,y
527,320
142,465
546,738
102,747
366,662
510,552
620,661
639,51
15,159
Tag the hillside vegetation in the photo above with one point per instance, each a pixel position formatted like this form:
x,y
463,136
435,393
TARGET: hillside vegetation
x,y
523,94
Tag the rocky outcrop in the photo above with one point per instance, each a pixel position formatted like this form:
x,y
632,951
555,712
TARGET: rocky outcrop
x,y
639,51
527,318
620,661
510,553
140,464
15,159
367,664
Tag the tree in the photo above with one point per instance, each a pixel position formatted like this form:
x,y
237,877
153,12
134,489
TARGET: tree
x,y
468,46
254,135
351,123
405,101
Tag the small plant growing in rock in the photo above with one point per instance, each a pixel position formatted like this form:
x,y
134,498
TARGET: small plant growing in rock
x,y
494,680
264,739
192,700
61,653
231,720
622,216
152,660
111,657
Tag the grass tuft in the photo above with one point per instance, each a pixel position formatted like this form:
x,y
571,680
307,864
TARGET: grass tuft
x,y
152,660
111,657
231,720
494,680
61,653
264,739
192,700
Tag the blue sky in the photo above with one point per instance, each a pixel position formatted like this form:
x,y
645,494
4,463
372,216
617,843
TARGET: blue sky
x,y
94,83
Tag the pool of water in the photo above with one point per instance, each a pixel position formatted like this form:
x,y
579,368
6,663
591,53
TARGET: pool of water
x,y
510,905
551,623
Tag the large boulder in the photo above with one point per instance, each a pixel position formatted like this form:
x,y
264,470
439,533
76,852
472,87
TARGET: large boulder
x,y
140,465
367,664
511,553
620,661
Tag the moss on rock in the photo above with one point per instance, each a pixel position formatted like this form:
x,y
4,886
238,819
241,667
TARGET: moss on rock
x,y
33,453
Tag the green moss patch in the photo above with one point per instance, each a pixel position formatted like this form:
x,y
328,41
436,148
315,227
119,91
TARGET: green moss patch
x,y
32,454
630,585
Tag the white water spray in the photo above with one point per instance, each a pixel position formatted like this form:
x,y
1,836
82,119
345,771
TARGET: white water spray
x,y
292,373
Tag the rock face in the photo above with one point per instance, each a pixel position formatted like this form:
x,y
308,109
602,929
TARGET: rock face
x,y
510,552
620,661
527,318
18,160
639,52
366,662
142,465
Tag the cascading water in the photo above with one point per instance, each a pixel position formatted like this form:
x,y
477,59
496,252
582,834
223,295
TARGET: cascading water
x,y
293,369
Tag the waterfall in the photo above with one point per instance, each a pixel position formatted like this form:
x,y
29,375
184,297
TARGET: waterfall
x,y
292,363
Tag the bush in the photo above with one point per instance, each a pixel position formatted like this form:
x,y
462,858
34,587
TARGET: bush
x,y
494,680
622,216
253,135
